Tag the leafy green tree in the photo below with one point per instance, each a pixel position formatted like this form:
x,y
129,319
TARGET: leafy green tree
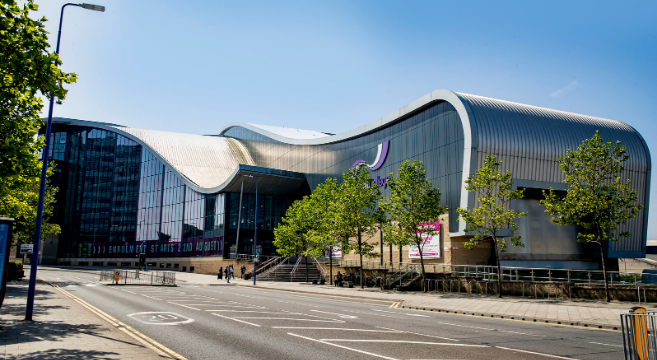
x,y
292,236
598,201
28,71
493,215
23,201
357,211
329,231
413,208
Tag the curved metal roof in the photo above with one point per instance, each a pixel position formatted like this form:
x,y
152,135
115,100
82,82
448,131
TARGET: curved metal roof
x,y
205,163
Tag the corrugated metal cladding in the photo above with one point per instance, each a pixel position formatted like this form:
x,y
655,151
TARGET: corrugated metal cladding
x,y
433,135
528,140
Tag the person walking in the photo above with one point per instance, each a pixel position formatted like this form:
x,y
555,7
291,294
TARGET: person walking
x,y
227,274
243,270
232,272
221,272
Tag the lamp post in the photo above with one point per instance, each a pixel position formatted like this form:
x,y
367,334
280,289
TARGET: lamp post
x,y
42,190
255,231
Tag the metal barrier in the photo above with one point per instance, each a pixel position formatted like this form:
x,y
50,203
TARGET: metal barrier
x,y
131,277
639,334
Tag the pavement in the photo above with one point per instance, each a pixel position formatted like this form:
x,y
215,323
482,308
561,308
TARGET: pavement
x,y
62,329
585,313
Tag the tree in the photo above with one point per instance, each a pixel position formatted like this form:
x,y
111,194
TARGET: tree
x,y
329,231
291,237
357,211
597,201
22,203
413,208
493,215
28,71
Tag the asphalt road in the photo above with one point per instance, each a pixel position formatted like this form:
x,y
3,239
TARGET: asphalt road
x,y
233,322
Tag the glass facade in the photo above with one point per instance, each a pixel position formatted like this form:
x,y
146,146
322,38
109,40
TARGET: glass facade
x,y
116,200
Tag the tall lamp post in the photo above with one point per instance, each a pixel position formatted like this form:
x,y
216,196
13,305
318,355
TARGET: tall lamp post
x,y
42,190
255,231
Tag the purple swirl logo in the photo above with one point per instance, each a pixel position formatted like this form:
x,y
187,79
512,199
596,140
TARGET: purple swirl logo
x,y
380,157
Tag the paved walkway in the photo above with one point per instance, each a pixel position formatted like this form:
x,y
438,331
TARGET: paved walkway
x,y
62,329
567,312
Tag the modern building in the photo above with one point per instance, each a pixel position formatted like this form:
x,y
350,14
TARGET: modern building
x,y
176,197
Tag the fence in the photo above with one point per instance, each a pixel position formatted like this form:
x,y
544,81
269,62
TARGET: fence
x,y
639,334
139,277
489,273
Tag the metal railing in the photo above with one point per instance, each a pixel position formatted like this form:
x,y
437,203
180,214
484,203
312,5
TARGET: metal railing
x,y
639,334
126,277
489,273
264,266
325,273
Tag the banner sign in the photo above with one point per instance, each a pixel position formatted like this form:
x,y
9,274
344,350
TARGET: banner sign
x,y
431,243
337,251
27,248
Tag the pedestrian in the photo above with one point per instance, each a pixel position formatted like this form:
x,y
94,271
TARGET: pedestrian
x,y
221,272
232,272
338,281
243,269
227,271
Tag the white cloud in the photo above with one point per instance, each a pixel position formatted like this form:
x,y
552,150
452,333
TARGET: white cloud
x,y
573,84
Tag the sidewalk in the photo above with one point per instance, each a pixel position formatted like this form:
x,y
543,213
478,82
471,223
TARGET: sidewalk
x,y
62,329
586,313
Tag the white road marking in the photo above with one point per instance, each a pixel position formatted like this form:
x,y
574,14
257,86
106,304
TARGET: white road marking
x,y
160,318
418,315
280,318
324,328
404,342
604,344
226,317
343,347
339,315
536,353
414,333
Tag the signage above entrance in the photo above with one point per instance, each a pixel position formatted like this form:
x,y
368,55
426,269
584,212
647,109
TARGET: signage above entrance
x,y
380,157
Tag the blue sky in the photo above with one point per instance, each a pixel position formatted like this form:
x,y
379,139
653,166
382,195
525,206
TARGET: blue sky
x,y
331,66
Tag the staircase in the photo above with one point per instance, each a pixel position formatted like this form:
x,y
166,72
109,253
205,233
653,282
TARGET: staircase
x,y
287,272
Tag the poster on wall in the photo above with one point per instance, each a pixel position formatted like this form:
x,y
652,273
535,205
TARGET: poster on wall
x,y
431,243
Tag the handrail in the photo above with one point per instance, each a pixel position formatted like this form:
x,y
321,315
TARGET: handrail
x,y
273,269
324,273
296,265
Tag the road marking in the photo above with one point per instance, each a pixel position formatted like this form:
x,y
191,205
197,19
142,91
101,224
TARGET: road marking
x,y
244,322
339,315
343,347
417,315
345,329
279,318
404,342
604,344
148,342
160,318
414,333
536,353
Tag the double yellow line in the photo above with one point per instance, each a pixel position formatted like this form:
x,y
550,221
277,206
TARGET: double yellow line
x,y
160,349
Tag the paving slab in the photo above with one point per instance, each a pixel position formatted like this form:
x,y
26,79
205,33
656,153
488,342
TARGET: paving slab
x,y
61,329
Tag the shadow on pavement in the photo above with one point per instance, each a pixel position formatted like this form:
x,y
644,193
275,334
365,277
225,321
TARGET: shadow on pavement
x,y
63,354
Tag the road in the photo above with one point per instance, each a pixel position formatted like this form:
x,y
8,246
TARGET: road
x,y
235,322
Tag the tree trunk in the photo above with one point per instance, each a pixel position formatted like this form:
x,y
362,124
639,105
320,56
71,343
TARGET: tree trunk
x,y
360,254
331,265
423,273
307,268
604,271
499,268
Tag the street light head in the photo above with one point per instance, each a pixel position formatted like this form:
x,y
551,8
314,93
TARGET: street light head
x,y
93,7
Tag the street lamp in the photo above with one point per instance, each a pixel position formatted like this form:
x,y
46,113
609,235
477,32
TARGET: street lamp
x,y
255,231
42,190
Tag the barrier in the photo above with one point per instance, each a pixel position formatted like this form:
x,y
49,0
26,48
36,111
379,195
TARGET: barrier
x,y
125,277
639,334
